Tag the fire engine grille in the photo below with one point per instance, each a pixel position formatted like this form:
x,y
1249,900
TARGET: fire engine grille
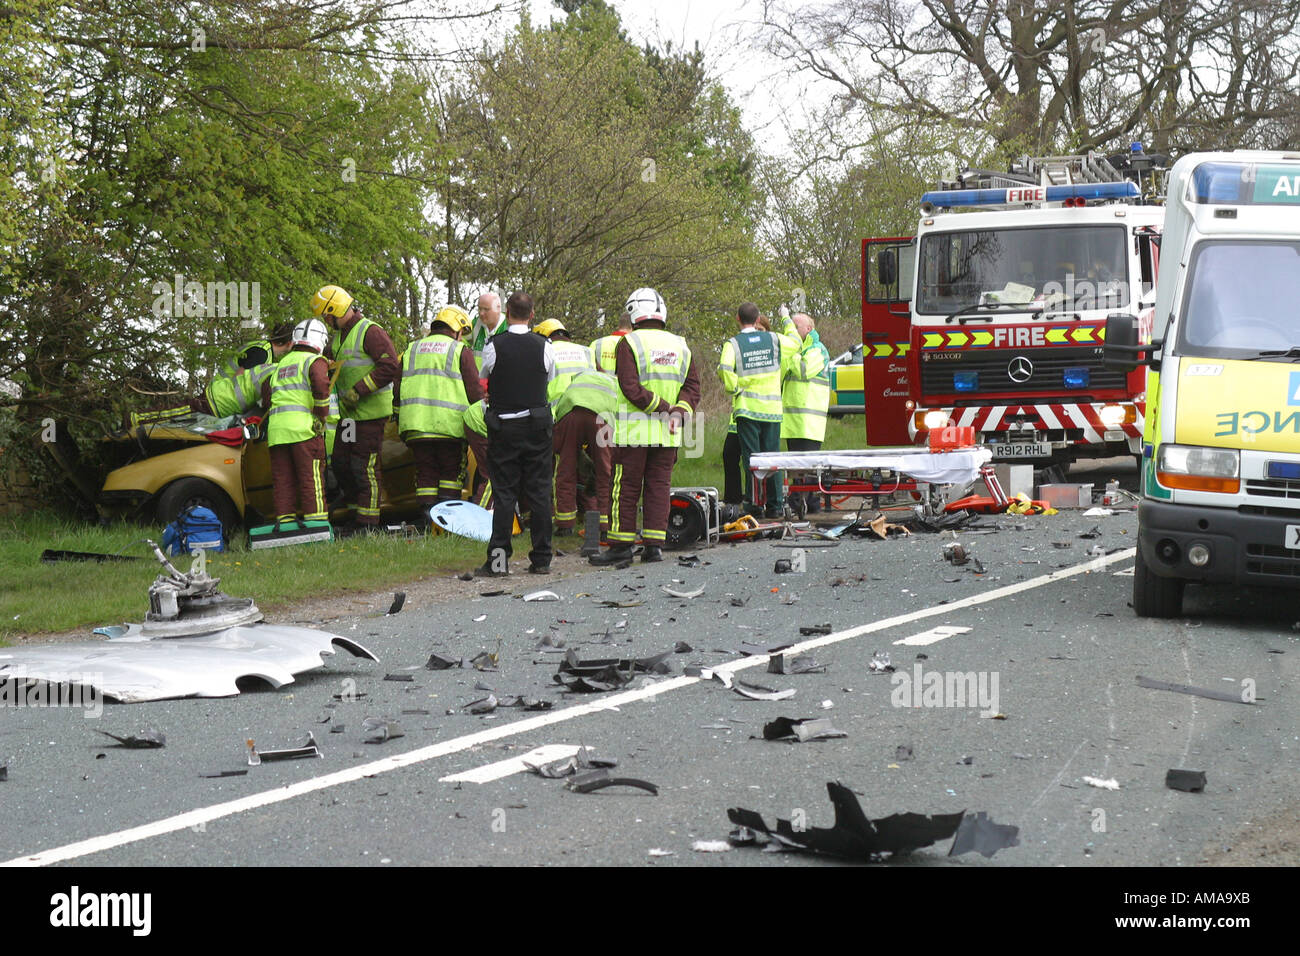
x,y
1046,372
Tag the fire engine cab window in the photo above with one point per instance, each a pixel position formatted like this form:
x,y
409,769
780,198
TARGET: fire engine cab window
x,y
1223,312
1053,268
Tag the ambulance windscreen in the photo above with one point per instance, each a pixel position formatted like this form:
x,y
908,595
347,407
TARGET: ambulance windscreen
x,y
1246,184
1226,316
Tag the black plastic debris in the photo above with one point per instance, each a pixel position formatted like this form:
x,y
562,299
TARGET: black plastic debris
x,y
337,728
681,647
688,560
439,663
811,630
4,772
783,566
217,774
755,650
903,752
794,664
966,761
1188,781
801,729
854,836
145,740
594,676
979,833
745,836
399,598
309,749
737,602
568,766
466,576
601,779
375,730
483,706
1206,692
49,556
946,521
759,692
1093,532
355,695
399,677
879,663
525,703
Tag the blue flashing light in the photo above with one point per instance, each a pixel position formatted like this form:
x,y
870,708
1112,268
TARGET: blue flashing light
x,y
1286,470
1076,377
965,381
954,198
1246,184
1135,147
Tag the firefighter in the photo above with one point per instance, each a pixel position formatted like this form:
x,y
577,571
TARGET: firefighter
x,y
602,350
579,396
239,392
658,388
436,384
296,397
806,396
368,365
753,365
519,366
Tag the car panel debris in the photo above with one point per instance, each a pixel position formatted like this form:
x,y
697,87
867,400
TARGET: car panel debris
x,y
145,740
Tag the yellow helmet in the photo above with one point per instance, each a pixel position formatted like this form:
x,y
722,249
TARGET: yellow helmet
x,y
332,301
454,317
549,327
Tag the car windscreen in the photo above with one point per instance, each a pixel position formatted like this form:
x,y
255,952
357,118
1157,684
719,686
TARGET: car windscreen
x,y
1240,298
1053,268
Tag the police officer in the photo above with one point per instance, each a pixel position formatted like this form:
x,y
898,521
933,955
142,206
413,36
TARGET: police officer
x,y
579,396
518,367
297,398
368,365
806,396
658,389
437,382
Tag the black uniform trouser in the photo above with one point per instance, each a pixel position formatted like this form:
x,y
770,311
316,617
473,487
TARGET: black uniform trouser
x,y
519,456
733,489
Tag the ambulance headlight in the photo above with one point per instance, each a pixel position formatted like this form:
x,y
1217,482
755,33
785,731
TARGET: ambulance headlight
x,y
935,419
1199,469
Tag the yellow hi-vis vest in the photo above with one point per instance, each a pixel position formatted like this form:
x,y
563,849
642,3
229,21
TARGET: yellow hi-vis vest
x,y
290,419
474,419
238,394
356,366
807,393
433,400
751,369
232,366
571,360
602,351
591,389
662,361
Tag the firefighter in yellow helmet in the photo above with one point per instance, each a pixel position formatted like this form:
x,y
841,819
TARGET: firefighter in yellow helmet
x,y
365,395
437,383
296,396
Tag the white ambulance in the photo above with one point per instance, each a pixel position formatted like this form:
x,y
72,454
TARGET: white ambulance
x,y
1221,444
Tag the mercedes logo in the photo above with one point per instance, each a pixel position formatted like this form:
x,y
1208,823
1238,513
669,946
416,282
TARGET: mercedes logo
x,y
1020,369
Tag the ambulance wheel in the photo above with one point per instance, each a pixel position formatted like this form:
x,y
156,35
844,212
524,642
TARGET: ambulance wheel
x,y
1154,596
189,492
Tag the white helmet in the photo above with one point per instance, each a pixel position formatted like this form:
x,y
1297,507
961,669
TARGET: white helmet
x,y
644,304
312,333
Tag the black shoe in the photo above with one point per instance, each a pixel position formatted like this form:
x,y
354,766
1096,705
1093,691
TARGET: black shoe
x,y
487,571
539,569
652,553
612,556
773,514
568,532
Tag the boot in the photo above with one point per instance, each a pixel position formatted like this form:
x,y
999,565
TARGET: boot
x,y
612,556
652,553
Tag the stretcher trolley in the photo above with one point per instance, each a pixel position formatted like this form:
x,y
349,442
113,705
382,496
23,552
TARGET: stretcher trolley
x,y
874,473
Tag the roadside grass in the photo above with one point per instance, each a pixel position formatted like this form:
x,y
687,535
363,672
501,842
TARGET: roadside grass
x,y
38,598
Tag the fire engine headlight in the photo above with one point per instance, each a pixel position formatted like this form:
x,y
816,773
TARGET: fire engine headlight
x,y
935,419
1112,416
1076,377
965,381
1199,469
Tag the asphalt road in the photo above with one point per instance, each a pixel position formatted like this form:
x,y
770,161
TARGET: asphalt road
x,y
1047,621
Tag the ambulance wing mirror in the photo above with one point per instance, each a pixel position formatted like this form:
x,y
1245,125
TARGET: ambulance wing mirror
x,y
1122,351
887,267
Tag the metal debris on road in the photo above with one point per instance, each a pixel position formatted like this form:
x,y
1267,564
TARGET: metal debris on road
x,y
1188,781
815,630
954,553
1093,532
1206,692
794,664
758,692
309,748
542,596
979,833
601,780
217,774
783,566
879,663
801,730
401,678
674,592
144,740
758,650
376,730
483,661
484,705
1111,784
439,663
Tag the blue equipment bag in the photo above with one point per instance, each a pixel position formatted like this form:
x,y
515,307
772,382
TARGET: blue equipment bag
x,y
194,528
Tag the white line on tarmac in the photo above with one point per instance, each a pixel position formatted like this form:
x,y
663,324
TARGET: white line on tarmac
x,y
108,841
933,636
504,768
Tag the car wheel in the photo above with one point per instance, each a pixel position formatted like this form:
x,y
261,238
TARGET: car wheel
x,y
189,492
1154,596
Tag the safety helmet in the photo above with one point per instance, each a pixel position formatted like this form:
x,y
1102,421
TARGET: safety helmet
x,y
645,304
549,327
454,317
312,333
332,301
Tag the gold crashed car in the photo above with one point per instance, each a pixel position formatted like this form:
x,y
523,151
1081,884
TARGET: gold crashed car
x,y
171,469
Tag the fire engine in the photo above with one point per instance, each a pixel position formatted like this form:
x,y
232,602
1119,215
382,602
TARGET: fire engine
x,y
993,315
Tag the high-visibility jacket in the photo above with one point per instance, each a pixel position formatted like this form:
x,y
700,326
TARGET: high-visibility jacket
x,y
290,418
356,365
331,424
591,389
807,393
474,418
433,400
662,361
232,366
238,394
752,367
602,351
571,360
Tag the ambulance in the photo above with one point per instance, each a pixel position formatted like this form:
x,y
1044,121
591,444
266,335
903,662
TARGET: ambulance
x,y
1221,442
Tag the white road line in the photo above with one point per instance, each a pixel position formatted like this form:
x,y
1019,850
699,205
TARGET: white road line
x,y
192,818
504,768
932,636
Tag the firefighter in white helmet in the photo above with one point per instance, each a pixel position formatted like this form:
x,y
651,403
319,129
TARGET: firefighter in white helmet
x,y
297,396
658,389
